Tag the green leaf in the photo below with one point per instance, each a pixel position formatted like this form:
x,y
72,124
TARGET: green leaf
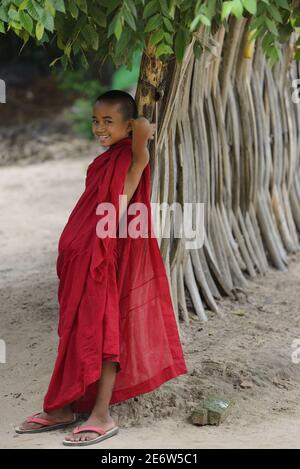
x,y
4,15
32,11
168,24
59,5
181,41
195,23
226,10
168,38
163,49
15,25
111,5
284,32
118,28
73,9
268,39
164,7
47,20
23,5
2,28
128,17
205,20
26,21
297,55
275,13
210,9
237,8
153,23
271,26
13,14
39,30
91,36
150,9
283,4
132,7
98,15
157,36
200,18
250,5
50,8
274,54
113,25
82,5
257,22
123,41
40,11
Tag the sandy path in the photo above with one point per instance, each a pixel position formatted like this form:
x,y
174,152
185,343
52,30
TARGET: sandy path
x,y
172,434
252,343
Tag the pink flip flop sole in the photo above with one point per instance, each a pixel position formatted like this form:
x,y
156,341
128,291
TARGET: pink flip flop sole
x,y
48,425
103,434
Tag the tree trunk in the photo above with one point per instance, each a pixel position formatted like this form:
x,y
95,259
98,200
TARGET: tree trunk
x,y
228,134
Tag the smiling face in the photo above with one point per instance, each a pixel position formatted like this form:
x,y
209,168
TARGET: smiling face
x,y
109,125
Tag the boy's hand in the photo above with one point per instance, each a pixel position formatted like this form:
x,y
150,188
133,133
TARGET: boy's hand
x,y
142,130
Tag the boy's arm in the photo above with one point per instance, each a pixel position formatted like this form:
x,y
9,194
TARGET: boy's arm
x,y
142,131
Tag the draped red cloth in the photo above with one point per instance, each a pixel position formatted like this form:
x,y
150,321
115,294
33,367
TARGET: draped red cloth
x,y
113,295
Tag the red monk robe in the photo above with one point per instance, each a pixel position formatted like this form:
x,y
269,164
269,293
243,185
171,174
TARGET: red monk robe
x,y
114,297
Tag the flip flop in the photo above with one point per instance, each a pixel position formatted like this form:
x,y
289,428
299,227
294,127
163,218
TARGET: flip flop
x,y
103,434
48,424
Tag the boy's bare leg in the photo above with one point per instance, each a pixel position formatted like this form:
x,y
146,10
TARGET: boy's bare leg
x,y
64,414
100,414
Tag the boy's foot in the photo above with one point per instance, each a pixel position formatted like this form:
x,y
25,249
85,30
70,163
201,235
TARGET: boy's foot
x,y
106,424
62,415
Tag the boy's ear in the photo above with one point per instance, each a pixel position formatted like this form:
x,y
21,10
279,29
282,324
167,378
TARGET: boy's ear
x,y
130,124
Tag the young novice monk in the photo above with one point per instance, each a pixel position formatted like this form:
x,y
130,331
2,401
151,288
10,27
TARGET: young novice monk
x,y
118,336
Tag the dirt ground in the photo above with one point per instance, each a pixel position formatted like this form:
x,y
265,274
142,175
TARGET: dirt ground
x,y
245,357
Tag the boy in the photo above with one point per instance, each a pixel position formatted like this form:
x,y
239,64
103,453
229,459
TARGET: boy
x,y
118,334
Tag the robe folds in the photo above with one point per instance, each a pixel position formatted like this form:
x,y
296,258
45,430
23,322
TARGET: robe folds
x,y
114,296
